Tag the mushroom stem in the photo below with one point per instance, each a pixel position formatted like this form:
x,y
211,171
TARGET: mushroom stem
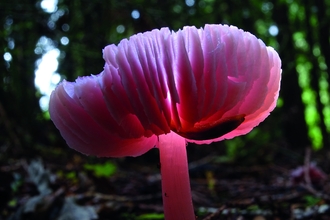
x,y
176,192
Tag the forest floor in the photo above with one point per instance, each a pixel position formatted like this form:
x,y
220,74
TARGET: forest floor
x,y
57,183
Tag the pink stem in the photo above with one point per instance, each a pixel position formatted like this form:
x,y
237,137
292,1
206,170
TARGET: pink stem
x,y
175,178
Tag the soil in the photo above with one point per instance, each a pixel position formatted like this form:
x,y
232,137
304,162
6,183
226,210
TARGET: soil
x,y
59,183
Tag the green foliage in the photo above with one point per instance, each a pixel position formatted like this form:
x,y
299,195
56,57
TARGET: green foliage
x,y
18,181
252,208
102,170
248,148
312,200
153,216
12,203
71,175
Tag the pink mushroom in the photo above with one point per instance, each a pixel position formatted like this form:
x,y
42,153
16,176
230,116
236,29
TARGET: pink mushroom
x,y
164,89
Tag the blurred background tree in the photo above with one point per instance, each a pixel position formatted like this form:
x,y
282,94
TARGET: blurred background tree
x,y
75,31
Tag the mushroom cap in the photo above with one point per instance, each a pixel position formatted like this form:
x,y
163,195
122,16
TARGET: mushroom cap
x,y
205,84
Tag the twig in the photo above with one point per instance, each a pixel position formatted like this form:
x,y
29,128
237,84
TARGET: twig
x,y
308,185
201,162
100,196
215,214
307,167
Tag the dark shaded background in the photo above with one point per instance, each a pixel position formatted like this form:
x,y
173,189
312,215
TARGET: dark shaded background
x,y
302,119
